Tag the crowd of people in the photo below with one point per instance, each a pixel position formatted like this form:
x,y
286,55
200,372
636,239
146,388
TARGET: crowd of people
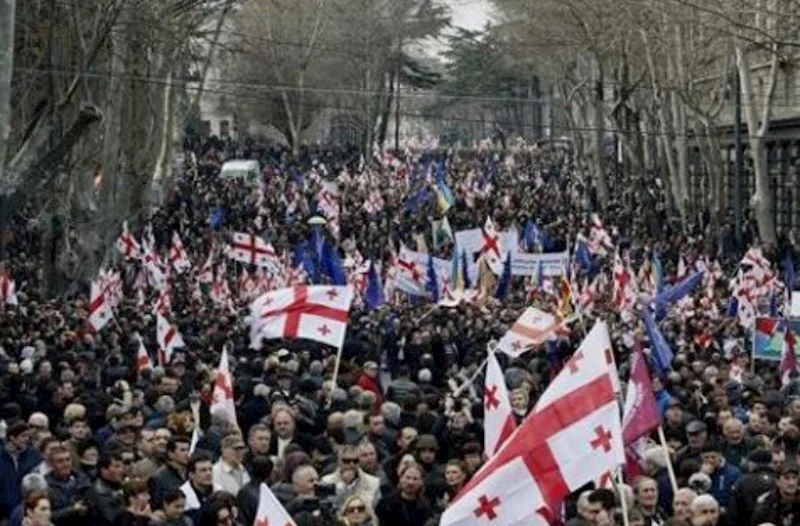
x,y
89,438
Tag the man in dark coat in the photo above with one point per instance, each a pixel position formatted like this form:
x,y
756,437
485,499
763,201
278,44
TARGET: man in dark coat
x,y
17,459
780,505
759,480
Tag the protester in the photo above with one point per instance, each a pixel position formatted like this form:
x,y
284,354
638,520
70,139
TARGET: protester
x,y
401,429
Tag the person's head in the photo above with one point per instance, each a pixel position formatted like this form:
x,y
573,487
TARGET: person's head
x,y
371,369
712,455
411,481
161,438
260,468
33,483
136,493
674,413
111,468
304,481
391,414
233,449
284,423
18,436
705,511
258,439
349,458
682,504
787,480
696,434
220,510
777,459
37,509
455,474
61,462
733,431
406,438
168,385
582,505
646,492
519,401
79,430
375,424
367,456
173,504
39,423
355,511
654,460
600,505
472,453
199,469
178,450
427,449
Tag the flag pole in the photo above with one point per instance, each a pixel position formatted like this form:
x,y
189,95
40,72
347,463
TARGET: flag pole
x,y
670,470
472,378
623,501
335,371
427,313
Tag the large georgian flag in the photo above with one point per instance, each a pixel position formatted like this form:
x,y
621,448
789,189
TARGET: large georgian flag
x,y
573,436
317,312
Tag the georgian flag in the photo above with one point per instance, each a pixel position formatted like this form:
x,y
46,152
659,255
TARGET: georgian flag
x,y
99,309
318,313
168,338
127,244
491,249
531,329
252,250
142,357
498,419
177,255
270,511
222,396
573,436
8,292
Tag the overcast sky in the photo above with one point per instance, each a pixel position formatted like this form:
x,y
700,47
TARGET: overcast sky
x,y
470,14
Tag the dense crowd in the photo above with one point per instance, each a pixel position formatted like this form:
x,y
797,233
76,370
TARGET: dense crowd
x,y
89,437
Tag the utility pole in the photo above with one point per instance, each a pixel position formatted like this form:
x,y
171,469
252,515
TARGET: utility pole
x,y
739,167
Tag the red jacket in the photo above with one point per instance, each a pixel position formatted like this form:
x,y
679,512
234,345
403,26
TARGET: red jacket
x,y
368,383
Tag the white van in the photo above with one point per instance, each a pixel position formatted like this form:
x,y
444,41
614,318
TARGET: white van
x,y
243,170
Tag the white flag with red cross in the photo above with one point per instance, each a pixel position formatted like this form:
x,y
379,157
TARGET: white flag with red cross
x,y
222,397
127,244
374,202
8,290
169,339
142,357
177,255
100,312
163,304
490,248
252,250
498,418
531,329
317,312
411,276
270,511
573,436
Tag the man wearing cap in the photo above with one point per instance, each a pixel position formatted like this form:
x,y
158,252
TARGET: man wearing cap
x,y
723,475
759,479
349,479
229,473
17,459
427,450
781,505
697,436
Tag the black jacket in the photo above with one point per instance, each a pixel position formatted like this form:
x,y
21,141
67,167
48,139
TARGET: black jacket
x,y
105,502
772,509
746,492
63,495
165,479
247,501
394,510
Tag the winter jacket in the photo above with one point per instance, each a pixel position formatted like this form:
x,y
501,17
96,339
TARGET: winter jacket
x,y
105,503
367,383
11,474
165,479
722,481
64,494
394,510
746,492
772,508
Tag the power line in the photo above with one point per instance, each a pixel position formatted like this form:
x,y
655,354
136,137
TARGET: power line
x,y
317,90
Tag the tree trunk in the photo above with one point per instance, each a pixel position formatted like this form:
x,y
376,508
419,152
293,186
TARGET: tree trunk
x,y
7,8
386,112
757,128
599,138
